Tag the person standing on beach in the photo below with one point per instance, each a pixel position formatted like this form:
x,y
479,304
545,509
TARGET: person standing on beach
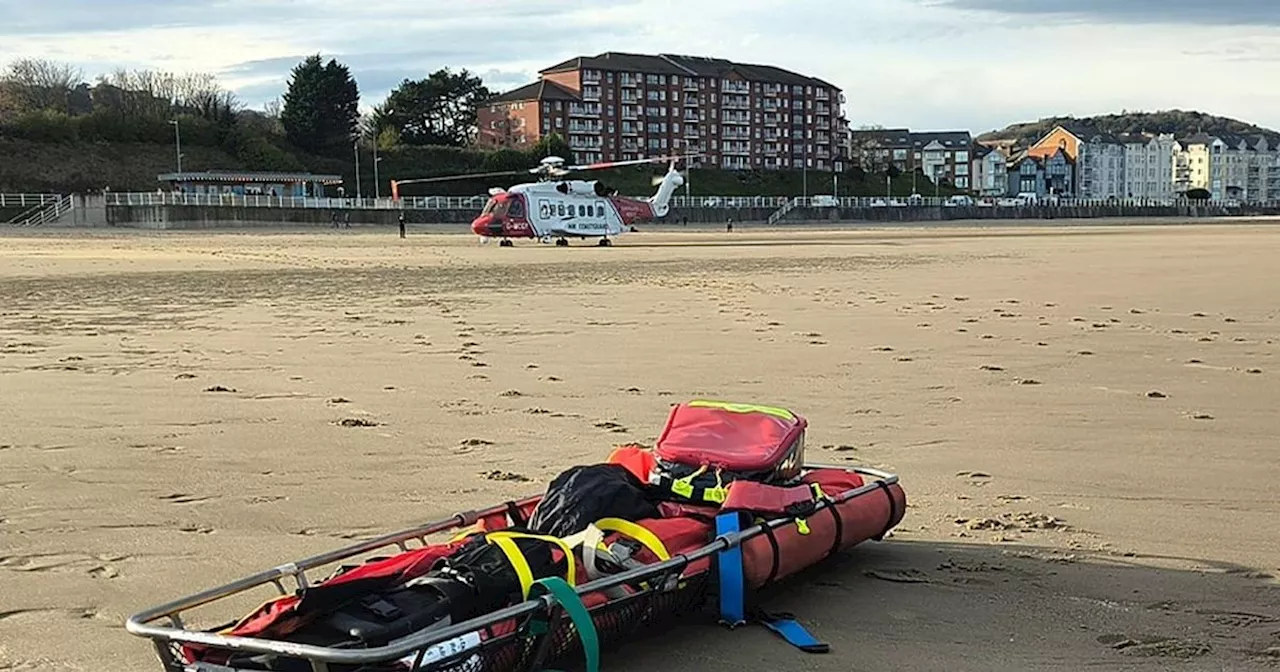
x,y
402,225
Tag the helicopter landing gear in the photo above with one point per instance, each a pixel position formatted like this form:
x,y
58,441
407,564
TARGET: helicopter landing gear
x,y
506,243
562,242
605,242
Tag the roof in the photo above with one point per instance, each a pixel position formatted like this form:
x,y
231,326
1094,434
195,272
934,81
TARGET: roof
x,y
246,176
539,90
685,66
902,138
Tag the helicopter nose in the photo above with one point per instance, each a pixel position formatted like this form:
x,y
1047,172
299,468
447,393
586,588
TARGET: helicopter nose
x,y
480,225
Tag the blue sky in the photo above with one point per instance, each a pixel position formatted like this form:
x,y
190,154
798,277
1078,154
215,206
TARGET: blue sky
x,y
927,64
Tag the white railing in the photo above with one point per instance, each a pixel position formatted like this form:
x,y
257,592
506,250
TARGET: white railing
x,y
308,202
786,208
49,211
26,200
716,202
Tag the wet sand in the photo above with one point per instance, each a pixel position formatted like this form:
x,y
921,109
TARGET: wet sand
x,y
1084,421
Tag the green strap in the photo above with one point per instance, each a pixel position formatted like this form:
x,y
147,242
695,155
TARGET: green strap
x,y
577,612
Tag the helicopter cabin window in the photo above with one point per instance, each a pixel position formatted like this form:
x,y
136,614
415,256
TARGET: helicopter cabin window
x,y
582,211
599,209
560,209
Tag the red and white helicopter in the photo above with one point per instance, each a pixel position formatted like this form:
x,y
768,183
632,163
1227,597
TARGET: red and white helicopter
x,y
557,209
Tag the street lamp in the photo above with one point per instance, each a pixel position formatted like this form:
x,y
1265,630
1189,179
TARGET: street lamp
x,y
177,141
355,147
377,185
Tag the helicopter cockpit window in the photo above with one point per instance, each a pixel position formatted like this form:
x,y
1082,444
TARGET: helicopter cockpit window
x,y
516,208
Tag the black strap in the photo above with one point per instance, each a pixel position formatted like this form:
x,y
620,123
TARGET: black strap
x,y
773,544
893,511
839,523
515,516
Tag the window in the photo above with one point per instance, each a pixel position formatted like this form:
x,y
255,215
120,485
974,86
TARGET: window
x,y
582,211
560,209
599,209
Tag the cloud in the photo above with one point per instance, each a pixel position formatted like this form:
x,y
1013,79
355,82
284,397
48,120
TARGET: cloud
x,y
939,64
1252,13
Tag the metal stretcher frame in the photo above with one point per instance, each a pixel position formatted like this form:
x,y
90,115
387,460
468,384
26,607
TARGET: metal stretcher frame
x,y
142,623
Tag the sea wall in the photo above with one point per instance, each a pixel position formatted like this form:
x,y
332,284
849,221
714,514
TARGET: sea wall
x,y
205,217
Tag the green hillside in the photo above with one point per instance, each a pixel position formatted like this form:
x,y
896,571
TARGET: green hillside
x,y
1181,123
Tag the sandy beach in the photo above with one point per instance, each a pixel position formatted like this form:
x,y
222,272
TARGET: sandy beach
x,y
1084,420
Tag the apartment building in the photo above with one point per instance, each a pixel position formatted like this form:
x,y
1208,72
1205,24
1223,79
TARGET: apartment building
x,y
1232,166
942,155
1101,165
990,171
619,106
1149,167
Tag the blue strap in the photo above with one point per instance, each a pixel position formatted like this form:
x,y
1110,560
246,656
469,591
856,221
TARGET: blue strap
x,y
733,610
732,582
790,629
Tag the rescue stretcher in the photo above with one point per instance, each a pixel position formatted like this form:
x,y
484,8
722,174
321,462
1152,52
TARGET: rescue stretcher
x,y
547,628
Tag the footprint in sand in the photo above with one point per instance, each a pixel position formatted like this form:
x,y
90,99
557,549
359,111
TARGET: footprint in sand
x,y
1253,371
991,367
883,348
357,422
505,476
978,478
219,388
511,394
1029,381
184,376
1157,394
1201,416
611,427
184,498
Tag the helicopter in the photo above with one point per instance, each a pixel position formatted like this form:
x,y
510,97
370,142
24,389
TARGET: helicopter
x,y
557,209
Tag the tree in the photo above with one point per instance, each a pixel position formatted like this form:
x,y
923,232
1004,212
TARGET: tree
x,y
552,144
320,110
42,84
437,110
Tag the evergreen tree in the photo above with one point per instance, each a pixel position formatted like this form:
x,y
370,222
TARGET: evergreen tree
x,y
321,106
552,144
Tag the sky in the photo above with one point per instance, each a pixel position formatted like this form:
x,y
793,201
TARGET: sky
x,y
970,65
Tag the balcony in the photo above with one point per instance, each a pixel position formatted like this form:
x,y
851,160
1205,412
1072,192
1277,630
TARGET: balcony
x,y
584,110
591,93
728,86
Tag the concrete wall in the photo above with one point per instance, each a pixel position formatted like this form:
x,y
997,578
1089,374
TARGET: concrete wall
x,y
203,217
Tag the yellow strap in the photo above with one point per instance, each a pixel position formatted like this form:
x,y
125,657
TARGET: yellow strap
x,y
637,532
516,558
571,576
744,408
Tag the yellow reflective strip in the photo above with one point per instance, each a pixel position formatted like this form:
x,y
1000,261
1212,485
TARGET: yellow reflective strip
x,y
516,558
572,574
744,408
637,532
802,525
715,495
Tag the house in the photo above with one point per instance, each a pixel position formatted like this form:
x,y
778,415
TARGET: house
x,y
1043,175
938,155
990,174
1025,175
1067,139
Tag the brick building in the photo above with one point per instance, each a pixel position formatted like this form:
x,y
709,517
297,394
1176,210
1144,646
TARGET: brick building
x,y
618,106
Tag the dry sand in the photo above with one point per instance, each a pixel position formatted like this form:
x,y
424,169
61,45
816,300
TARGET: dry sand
x,y
1084,421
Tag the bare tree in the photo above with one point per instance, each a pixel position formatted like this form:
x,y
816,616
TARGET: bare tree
x,y
42,84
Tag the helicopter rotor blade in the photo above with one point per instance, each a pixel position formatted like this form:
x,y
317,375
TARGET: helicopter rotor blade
x,y
632,162
469,176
